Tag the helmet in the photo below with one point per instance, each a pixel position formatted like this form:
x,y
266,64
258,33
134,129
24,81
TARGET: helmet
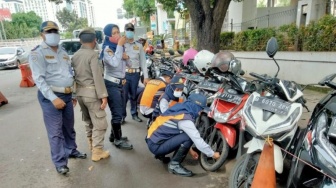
x,y
150,50
226,61
188,54
202,60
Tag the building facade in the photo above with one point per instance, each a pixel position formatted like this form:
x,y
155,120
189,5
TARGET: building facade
x,y
15,6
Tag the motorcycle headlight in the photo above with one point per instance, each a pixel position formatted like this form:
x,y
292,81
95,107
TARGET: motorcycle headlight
x,y
221,117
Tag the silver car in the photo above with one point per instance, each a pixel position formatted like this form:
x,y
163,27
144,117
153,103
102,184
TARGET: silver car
x,y
71,46
12,57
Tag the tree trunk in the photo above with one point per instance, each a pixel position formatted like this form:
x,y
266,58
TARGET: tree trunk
x,y
207,20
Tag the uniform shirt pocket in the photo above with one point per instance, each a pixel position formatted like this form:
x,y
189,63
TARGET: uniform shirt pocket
x,y
52,65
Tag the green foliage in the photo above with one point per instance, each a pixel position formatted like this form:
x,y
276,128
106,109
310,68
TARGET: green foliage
x,y
23,25
140,8
226,40
168,5
70,21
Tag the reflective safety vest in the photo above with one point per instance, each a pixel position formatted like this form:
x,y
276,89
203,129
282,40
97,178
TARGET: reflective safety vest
x,y
153,90
172,102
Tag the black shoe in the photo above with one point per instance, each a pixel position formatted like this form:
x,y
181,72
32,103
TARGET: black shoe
x,y
163,159
136,118
123,121
111,138
122,144
79,155
62,169
176,168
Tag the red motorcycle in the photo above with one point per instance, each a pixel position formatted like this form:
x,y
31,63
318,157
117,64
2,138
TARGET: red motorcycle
x,y
225,118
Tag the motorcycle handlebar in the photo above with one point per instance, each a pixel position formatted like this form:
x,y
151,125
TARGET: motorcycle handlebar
x,y
258,76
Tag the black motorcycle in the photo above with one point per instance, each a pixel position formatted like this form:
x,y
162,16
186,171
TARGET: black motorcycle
x,y
318,145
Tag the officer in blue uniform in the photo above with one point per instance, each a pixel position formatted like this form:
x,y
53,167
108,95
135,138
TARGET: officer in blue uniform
x,y
52,73
137,60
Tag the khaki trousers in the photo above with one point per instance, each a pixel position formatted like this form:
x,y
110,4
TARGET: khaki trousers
x,y
95,119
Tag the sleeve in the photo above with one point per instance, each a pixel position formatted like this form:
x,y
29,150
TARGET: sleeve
x,y
115,59
189,128
143,62
164,105
38,67
97,77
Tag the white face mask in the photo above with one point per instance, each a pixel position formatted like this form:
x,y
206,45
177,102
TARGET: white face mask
x,y
52,39
177,94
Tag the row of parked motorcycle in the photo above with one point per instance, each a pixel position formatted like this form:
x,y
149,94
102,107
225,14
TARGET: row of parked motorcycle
x,y
246,112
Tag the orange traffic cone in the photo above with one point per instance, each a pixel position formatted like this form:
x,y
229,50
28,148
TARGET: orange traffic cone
x,y
265,173
3,99
27,79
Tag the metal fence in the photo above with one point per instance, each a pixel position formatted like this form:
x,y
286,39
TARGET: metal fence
x,y
28,42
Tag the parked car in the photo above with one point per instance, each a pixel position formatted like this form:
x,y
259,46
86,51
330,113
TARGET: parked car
x,y
12,57
71,46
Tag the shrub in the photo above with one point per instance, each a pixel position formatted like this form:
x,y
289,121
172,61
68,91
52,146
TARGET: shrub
x,y
226,40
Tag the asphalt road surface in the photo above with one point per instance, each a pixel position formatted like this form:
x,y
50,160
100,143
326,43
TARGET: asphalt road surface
x,y
25,155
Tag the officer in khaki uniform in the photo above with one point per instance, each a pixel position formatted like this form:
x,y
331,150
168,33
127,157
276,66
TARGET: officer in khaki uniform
x,y
91,92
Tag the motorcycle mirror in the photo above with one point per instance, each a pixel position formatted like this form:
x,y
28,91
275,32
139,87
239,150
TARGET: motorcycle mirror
x,y
171,52
272,47
242,73
326,79
180,52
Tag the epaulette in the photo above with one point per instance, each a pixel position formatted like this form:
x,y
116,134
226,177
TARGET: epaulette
x,y
35,48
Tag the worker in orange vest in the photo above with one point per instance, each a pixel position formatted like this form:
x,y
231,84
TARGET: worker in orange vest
x,y
153,91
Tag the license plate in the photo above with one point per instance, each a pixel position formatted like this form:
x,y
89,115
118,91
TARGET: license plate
x,y
208,86
228,97
195,78
277,107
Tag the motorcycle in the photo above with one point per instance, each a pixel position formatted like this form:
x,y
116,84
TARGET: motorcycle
x,y
318,146
274,115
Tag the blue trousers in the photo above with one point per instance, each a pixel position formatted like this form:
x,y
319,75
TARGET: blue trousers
x,y
115,101
130,92
60,128
170,145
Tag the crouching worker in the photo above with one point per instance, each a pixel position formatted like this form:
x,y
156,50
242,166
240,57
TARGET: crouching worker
x,y
175,131
153,91
91,93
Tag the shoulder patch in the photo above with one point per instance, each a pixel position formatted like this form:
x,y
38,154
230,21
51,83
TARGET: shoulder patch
x,y
36,47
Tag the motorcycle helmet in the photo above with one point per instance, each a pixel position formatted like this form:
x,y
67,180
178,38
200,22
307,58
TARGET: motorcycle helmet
x,y
188,54
202,60
226,62
150,50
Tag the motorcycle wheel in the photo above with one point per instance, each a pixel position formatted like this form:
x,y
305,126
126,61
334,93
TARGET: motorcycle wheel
x,y
246,180
218,144
203,126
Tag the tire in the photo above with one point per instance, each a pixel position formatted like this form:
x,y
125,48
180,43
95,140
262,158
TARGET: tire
x,y
203,125
218,144
250,170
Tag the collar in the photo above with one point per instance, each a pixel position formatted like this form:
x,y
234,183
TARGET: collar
x,y
45,46
85,47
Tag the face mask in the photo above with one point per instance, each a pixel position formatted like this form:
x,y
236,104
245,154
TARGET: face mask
x,y
114,39
52,39
177,94
129,34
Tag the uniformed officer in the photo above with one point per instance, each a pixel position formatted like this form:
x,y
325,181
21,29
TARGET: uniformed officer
x,y
52,73
153,91
91,92
115,61
175,131
137,60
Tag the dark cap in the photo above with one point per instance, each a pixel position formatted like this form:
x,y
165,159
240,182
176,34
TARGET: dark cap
x,y
129,26
48,25
177,81
200,100
167,73
88,30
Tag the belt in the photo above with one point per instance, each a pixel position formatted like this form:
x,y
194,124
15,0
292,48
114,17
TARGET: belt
x,y
133,70
113,79
65,90
88,87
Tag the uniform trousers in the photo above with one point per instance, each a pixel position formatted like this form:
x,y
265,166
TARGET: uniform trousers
x,y
60,128
130,92
95,119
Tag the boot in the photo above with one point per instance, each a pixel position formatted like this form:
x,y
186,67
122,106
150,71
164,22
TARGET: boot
x,y
175,166
98,154
119,142
90,143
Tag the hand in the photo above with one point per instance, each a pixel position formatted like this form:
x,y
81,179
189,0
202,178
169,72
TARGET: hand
x,y
58,103
122,41
104,103
216,155
123,82
74,102
125,56
193,154
146,80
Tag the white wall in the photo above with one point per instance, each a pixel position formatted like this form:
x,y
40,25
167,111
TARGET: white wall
x,y
315,10
302,67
